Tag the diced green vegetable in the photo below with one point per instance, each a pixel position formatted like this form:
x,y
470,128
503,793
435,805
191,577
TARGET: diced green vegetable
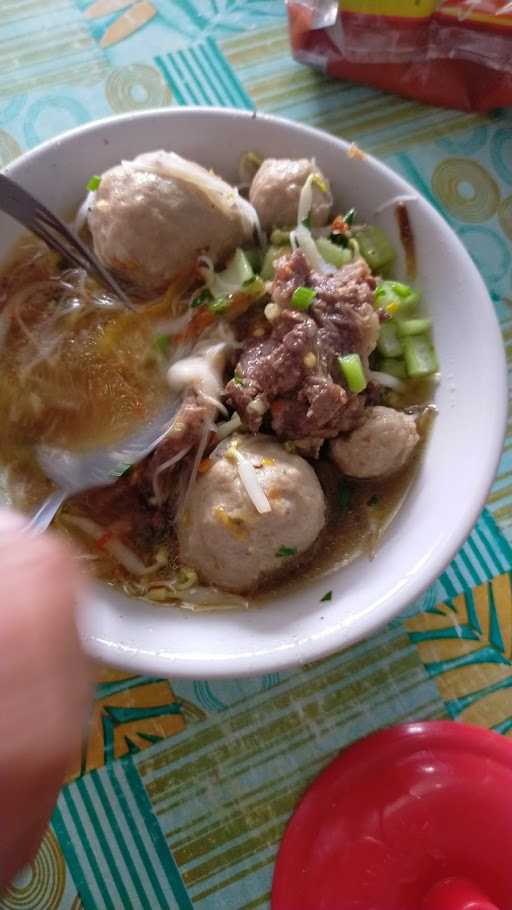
x,y
327,596
279,237
388,344
393,367
273,253
162,343
352,369
374,246
203,297
236,272
93,184
396,298
286,551
219,306
332,253
302,298
420,356
415,326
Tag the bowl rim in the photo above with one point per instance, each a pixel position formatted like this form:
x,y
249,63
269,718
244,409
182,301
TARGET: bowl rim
x,y
272,660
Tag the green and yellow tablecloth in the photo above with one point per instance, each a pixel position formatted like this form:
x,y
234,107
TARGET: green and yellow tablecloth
x,y
182,792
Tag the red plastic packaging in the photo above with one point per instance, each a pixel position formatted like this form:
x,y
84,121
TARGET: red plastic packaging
x,y
416,817
451,54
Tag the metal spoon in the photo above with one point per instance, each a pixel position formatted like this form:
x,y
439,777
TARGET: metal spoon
x,y
21,205
74,472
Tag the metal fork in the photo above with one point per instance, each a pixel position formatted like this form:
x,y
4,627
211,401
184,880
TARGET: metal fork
x,y
75,472
23,207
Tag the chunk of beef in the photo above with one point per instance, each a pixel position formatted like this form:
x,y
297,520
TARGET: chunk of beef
x,y
294,370
183,437
291,272
272,367
321,410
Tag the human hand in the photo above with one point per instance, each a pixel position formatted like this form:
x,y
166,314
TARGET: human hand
x,y
44,685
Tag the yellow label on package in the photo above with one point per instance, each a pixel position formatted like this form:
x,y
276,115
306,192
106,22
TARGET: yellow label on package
x,y
403,9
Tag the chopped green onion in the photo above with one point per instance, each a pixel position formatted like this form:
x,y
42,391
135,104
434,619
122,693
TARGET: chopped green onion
x,y
93,184
388,344
273,253
396,298
201,298
326,597
333,253
307,222
416,326
219,306
237,379
286,551
254,287
302,298
392,366
162,343
349,216
344,496
374,246
352,369
420,356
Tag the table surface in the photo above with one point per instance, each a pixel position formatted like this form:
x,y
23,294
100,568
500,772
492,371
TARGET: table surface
x,y
182,791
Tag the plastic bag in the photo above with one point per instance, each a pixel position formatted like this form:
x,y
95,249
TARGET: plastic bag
x,y
451,54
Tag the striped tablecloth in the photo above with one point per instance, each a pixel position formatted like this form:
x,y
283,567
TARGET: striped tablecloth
x,y
182,791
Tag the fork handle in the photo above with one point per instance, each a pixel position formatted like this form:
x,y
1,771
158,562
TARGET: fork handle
x,y
46,513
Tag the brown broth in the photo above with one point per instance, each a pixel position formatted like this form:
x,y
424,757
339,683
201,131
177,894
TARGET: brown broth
x,y
87,392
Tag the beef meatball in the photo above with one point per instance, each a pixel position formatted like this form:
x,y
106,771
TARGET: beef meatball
x,y
223,536
276,188
380,446
151,217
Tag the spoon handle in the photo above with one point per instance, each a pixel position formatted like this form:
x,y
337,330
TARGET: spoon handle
x,y
46,513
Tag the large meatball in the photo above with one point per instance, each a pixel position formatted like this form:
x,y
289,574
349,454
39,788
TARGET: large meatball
x,y
380,446
276,188
151,217
223,536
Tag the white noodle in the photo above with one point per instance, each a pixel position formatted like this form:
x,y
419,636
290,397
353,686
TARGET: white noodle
x,y
302,236
305,200
160,470
388,381
251,483
83,211
228,426
197,596
175,326
123,554
203,442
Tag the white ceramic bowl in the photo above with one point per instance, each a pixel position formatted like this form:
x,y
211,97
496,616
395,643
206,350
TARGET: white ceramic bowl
x,y
463,450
